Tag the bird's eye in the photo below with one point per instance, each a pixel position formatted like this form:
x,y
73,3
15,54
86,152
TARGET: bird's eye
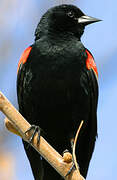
x,y
70,14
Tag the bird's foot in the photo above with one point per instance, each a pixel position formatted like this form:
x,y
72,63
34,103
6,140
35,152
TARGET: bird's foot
x,y
35,129
70,170
65,151
67,156
73,167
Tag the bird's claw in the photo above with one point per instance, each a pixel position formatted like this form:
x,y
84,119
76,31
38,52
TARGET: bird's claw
x,y
73,167
36,129
65,151
70,170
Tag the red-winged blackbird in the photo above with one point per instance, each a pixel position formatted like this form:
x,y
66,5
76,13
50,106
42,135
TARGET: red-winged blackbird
x,y
57,87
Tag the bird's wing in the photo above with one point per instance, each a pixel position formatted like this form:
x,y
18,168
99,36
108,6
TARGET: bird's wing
x,y
92,74
21,70
88,137
24,58
34,158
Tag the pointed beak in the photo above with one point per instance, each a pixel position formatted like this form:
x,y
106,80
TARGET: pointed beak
x,y
87,20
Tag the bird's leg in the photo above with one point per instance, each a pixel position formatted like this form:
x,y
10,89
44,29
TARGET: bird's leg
x,y
36,129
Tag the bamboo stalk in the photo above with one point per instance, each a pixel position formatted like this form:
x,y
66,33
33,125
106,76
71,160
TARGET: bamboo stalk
x,y
45,150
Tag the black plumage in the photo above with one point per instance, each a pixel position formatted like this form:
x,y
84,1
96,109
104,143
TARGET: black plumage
x,y
56,89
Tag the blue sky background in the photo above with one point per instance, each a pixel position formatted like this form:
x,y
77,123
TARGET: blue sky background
x,y
18,21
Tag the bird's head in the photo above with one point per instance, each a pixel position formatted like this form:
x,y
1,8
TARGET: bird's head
x,y
63,19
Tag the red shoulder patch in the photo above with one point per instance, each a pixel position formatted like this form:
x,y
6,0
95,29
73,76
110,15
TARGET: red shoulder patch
x,y
24,57
90,63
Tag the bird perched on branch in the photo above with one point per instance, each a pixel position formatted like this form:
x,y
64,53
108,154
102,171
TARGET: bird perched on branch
x,y
57,87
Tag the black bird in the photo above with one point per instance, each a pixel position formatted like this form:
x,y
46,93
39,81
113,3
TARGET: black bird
x,y
57,87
